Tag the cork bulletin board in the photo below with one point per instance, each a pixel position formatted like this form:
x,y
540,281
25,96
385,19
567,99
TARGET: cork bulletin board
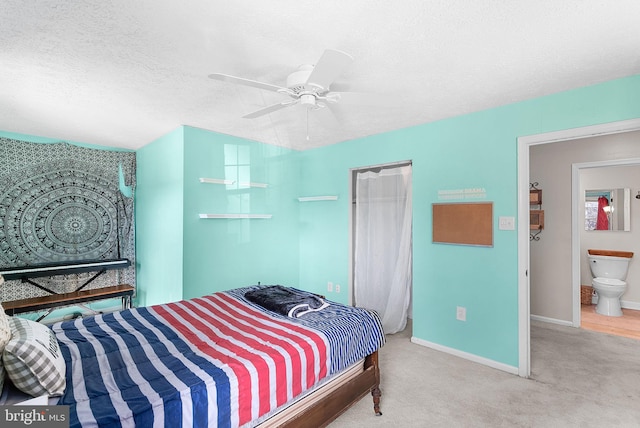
x,y
463,223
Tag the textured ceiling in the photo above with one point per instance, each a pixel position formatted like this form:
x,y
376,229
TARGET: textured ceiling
x,y
122,73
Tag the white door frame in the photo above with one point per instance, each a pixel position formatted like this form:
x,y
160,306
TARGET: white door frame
x,y
524,309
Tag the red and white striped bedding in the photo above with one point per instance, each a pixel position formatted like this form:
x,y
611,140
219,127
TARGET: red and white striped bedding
x,y
217,360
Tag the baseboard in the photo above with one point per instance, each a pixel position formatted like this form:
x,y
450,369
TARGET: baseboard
x,y
551,320
467,356
625,304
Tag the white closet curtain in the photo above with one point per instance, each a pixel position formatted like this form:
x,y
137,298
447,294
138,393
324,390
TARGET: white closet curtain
x,y
382,277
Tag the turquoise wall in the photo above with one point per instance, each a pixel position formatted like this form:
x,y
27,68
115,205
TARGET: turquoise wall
x,y
471,151
180,255
159,215
220,254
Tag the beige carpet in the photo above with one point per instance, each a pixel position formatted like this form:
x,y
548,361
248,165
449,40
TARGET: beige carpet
x,y
579,379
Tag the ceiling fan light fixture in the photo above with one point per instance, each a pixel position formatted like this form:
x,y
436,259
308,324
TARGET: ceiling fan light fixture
x,y
308,100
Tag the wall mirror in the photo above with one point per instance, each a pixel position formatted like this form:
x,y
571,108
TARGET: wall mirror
x,y
607,209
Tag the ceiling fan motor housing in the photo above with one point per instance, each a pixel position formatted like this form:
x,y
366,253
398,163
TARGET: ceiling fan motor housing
x,y
297,81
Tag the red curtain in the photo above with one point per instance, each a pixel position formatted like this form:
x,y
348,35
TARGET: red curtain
x,y
603,221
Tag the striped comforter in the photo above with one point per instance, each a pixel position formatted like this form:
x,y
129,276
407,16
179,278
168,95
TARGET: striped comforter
x,y
217,360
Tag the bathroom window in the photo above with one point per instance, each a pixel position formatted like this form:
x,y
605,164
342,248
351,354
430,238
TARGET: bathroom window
x,y
590,214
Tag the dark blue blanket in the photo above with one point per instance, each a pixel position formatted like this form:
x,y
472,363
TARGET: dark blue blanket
x,y
286,301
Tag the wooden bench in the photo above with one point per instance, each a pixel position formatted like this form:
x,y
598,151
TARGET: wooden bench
x,y
50,302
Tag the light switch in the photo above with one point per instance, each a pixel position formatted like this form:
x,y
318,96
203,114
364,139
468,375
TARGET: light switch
x,y
507,223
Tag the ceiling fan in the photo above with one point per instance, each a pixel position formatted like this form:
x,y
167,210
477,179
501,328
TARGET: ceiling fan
x,y
308,86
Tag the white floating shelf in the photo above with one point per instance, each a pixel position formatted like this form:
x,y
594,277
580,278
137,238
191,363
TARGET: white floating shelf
x,y
224,181
235,215
317,198
215,181
245,184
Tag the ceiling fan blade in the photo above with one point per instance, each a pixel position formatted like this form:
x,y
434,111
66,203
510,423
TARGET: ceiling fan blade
x,y
330,65
269,109
363,99
324,114
247,82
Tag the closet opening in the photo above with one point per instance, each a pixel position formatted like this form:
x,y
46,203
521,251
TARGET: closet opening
x,y
381,261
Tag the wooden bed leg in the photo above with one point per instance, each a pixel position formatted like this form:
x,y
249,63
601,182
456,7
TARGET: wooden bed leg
x,y
376,393
375,389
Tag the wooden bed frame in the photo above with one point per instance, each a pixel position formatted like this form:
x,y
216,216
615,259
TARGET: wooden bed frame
x,y
319,413
322,412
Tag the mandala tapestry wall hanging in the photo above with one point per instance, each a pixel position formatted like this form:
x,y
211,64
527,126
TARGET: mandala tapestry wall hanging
x,y
63,203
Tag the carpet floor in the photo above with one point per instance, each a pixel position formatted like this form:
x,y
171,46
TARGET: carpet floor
x,y
579,379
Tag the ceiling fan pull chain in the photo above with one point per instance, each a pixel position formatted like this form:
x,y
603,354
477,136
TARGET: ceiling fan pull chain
x,y
307,124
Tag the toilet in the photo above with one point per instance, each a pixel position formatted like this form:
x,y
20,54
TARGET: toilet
x,y
609,270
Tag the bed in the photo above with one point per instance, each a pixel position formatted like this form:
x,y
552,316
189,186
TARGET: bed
x,y
218,360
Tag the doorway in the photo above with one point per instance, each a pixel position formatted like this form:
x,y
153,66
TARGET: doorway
x,y
381,247
612,180
524,145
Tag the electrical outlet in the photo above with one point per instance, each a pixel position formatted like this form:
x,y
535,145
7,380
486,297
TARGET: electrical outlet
x,y
330,286
461,313
337,288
